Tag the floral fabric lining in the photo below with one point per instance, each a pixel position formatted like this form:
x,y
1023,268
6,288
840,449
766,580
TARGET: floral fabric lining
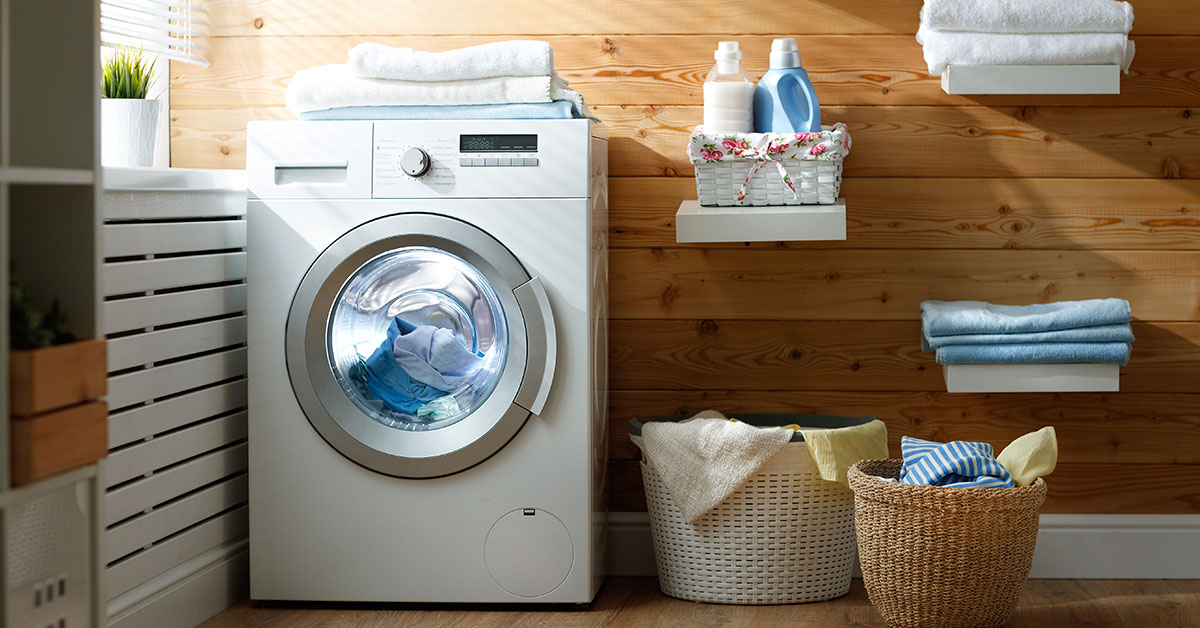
x,y
831,144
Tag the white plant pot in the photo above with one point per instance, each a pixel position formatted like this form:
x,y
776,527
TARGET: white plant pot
x,y
128,131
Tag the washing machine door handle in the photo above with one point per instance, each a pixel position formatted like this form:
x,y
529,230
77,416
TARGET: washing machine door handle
x,y
541,338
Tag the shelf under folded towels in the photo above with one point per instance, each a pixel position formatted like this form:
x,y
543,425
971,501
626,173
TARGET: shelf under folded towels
x,y
1024,378
773,223
1032,79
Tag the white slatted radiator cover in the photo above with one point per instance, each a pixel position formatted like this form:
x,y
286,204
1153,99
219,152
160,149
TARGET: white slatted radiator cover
x,y
174,281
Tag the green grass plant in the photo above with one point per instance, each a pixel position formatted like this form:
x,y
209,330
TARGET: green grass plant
x,y
126,74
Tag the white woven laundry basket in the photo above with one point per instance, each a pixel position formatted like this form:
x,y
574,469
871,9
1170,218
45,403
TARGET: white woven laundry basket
x,y
786,536
816,183
769,168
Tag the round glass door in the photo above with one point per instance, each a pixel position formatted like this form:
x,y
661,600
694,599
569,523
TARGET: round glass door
x,y
417,338
408,345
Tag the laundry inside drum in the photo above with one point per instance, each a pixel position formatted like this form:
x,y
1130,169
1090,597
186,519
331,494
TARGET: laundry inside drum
x,y
417,338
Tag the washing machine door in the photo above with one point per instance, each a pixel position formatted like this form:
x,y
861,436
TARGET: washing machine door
x,y
418,345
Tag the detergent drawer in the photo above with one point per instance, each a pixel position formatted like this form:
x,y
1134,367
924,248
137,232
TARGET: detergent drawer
x,y
286,159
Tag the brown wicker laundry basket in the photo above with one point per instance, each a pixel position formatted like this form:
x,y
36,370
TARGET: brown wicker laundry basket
x,y
937,557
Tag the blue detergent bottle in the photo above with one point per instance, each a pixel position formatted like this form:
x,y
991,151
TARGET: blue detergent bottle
x,y
785,100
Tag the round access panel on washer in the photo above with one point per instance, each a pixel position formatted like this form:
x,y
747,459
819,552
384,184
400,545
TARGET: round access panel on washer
x,y
529,552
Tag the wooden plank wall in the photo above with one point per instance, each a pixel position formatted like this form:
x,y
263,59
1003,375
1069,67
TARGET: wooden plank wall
x,y
1016,199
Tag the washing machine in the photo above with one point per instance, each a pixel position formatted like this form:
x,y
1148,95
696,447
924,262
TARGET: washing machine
x,y
427,360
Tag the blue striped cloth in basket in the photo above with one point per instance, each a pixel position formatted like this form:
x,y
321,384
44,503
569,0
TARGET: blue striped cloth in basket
x,y
959,464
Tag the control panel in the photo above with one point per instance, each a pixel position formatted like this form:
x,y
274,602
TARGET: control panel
x,y
481,158
419,159
497,150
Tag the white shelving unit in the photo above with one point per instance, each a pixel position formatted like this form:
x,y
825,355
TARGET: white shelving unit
x,y
1025,378
774,223
1032,79
50,530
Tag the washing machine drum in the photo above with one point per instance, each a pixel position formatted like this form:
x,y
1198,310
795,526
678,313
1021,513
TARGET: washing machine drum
x,y
418,345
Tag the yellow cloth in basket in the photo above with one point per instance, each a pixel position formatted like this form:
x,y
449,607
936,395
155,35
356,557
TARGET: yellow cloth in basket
x,y
1031,456
835,450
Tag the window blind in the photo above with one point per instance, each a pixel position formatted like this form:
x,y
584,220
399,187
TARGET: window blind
x,y
169,29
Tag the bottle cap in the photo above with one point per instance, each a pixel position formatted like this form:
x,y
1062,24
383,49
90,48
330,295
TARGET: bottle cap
x,y
727,51
785,54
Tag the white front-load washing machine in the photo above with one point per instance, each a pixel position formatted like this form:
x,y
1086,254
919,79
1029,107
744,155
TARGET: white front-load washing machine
x,y
427,347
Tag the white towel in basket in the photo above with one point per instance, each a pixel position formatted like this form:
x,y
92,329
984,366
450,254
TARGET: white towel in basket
x,y
706,458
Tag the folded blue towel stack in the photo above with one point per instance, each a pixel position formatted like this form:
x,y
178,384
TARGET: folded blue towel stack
x,y
1068,332
958,464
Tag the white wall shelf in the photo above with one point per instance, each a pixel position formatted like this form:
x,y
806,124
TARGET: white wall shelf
x,y
772,223
1032,79
1024,378
186,180
20,175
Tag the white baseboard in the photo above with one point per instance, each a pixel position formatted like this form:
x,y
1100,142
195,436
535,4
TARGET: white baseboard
x,y
188,594
1068,546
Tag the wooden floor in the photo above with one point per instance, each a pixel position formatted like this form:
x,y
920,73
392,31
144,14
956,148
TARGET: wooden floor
x,y
638,602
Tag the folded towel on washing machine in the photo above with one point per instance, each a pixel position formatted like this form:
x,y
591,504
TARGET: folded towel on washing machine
x,y
385,380
332,86
497,58
557,110
433,355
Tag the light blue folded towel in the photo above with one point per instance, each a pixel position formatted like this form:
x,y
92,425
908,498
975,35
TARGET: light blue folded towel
x,y
1037,353
1098,333
950,318
958,464
557,110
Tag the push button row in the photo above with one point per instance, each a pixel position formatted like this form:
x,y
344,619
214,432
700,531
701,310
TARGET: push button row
x,y
497,161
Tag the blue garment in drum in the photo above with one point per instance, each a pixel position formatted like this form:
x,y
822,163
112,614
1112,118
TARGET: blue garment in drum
x,y
385,380
432,354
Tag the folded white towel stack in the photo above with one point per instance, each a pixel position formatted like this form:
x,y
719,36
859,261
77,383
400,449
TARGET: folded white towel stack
x,y
1025,32
1028,16
499,58
499,73
330,86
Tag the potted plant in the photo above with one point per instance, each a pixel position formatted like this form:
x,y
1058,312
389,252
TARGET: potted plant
x,y
54,382
128,119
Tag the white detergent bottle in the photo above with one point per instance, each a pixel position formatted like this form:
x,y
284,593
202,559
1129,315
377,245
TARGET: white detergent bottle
x,y
728,93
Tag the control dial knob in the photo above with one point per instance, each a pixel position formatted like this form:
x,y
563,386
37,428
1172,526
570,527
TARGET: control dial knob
x,y
415,162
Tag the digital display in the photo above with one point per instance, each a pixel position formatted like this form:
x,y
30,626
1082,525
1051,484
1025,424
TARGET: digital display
x,y
497,143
